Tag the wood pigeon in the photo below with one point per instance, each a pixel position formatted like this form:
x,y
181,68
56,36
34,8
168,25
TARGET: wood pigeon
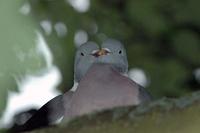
x,y
100,82
105,85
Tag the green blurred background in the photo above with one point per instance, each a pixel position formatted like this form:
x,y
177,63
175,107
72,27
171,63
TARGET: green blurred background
x,y
162,38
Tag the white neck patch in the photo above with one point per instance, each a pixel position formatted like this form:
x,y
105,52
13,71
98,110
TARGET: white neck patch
x,y
74,88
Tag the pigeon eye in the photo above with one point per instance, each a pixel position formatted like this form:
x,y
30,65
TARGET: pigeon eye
x,y
120,52
82,54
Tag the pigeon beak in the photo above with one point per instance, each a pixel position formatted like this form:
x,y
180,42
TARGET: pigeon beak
x,y
101,52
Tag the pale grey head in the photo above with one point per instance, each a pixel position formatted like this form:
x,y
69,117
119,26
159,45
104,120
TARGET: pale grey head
x,y
84,58
111,52
116,55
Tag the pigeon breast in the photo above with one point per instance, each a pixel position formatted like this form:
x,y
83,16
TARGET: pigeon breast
x,y
102,88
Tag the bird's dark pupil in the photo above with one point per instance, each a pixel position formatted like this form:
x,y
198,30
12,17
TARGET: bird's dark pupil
x,y
82,54
120,52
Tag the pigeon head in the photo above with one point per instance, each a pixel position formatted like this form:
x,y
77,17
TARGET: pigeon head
x,y
113,52
84,58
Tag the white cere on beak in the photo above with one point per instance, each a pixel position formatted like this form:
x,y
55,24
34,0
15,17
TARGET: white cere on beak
x,y
107,49
94,51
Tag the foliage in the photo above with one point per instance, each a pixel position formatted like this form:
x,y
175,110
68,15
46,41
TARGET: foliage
x,y
18,49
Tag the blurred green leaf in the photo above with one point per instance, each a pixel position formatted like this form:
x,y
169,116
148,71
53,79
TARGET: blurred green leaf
x,y
187,46
19,53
